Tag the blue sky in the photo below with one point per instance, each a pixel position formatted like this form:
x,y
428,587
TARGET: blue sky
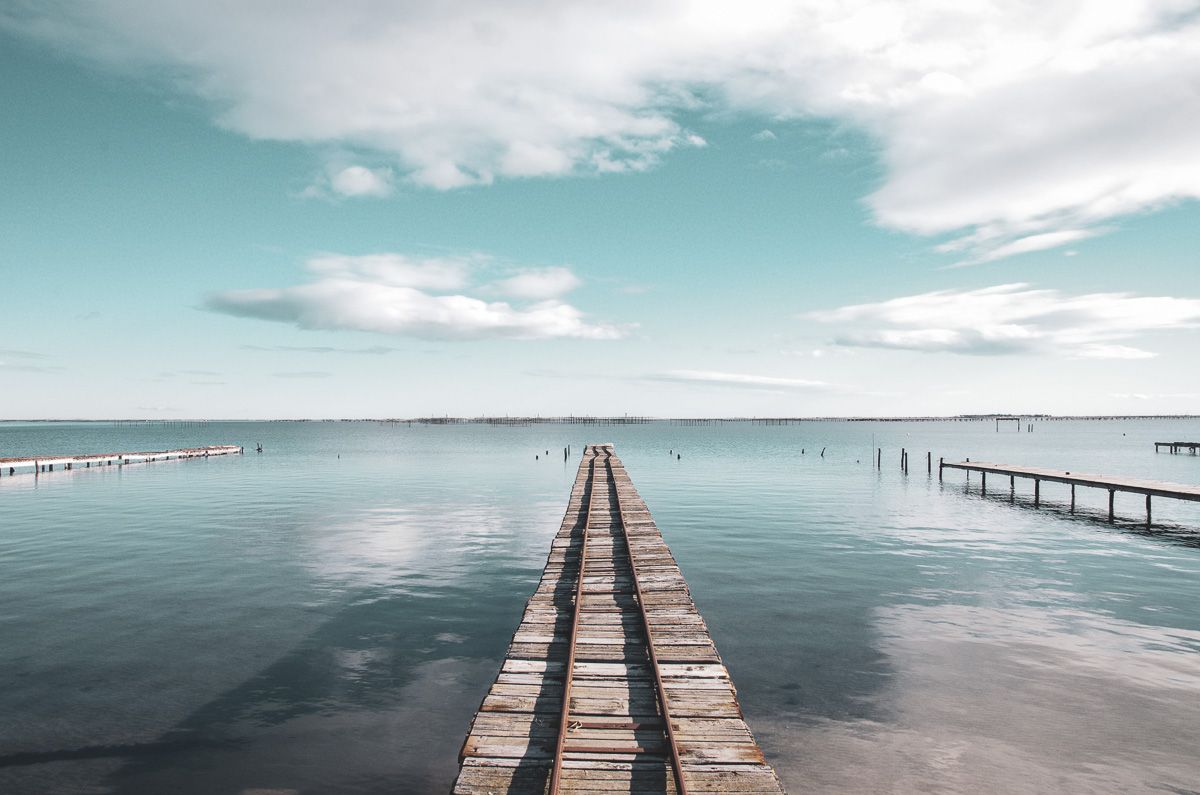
x,y
391,210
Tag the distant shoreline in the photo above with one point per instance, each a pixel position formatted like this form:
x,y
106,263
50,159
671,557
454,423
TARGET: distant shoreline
x,y
627,420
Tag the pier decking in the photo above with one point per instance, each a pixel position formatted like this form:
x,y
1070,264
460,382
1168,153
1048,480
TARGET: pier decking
x,y
17,466
1111,483
611,682
1175,447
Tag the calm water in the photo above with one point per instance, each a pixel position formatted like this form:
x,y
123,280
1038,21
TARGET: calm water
x,y
299,621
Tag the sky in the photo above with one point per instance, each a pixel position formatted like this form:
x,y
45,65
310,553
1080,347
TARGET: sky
x,y
400,209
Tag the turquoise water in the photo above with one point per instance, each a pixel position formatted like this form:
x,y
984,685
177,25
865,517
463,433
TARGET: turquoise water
x,y
301,621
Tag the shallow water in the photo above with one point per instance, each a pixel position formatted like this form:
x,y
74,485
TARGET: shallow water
x,y
299,620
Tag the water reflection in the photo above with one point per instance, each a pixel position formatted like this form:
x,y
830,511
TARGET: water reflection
x,y
1013,700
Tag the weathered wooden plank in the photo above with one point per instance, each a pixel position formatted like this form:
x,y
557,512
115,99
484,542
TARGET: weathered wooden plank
x,y
616,740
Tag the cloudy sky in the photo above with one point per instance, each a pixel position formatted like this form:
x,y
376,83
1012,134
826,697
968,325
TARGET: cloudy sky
x,y
267,209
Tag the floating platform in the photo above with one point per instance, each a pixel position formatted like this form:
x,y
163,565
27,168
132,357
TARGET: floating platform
x,y
1111,483
18,466
611,683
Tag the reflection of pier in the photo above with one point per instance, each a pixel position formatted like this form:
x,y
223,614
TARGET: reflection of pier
x,y
1175,447
611,683
1111,483
39,464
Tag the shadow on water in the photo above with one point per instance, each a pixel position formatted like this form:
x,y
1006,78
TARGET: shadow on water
x,y
338,712
533,770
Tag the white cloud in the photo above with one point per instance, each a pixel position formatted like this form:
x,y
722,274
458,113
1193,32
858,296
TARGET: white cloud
x,y
398,270
990,251
1013,318
394,294
1157,396
996,122
739,379
541,283
362,181
765,135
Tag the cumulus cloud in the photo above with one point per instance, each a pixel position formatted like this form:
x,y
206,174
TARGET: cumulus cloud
x,y
1013,318
995,122
394,294
362,181
541,283
739,380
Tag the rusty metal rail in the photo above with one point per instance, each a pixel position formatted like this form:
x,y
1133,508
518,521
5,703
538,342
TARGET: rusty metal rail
x,y
564,721
676,765
613,633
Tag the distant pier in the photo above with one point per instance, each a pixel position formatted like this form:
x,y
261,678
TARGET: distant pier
x,y
611,683
1111,483
1175,447
48,463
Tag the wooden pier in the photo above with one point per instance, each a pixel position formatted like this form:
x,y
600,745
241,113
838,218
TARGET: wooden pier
x,y
1175,447
611,683
39,464
1110,483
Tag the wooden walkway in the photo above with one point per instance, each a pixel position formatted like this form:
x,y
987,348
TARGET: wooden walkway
x,y
1175,447
611,683
17,466
1111,483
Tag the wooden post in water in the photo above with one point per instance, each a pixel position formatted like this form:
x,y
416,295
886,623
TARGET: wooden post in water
x,y
1111,494
941,466
879,458
1072,498
983,487
1147,511
1037,493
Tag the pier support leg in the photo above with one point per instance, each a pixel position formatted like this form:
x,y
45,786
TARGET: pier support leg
x,y
1072,498
983,488
1148,518
941,466
1037,493
1012,488
1111,494
879,458
929,462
